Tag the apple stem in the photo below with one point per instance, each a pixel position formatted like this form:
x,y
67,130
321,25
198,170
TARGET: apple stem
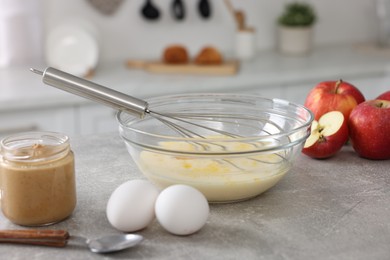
x,y
338,83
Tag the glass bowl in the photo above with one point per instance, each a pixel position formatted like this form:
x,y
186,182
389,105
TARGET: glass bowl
x,y
263,136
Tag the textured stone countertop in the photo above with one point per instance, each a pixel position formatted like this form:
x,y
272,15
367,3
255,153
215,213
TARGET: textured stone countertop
x,y
323,209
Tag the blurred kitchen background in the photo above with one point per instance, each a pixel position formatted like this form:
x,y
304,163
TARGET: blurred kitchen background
x,y
127,33
96,39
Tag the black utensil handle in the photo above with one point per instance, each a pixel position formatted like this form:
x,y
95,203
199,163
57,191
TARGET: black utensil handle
x,y
149,11
204,8
178,9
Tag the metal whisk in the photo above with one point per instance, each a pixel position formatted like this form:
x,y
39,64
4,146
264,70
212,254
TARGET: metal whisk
x,y
121,101
193,125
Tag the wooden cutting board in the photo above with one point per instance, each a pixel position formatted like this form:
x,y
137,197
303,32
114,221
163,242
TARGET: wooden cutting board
x,y
226,68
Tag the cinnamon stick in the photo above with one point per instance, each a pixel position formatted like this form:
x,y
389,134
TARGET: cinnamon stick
x,y
48,237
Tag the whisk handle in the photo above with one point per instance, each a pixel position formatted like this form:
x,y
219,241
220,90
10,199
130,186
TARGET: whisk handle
x,y
93,91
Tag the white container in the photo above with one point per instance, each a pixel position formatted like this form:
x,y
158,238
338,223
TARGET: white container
x,y
245,44
73,47
21,32
295,40
383,14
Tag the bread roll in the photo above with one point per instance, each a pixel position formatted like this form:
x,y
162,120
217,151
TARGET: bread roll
x,y
175,54
209,56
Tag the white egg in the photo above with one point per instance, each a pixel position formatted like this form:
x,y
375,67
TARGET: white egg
x,y
131,205
181,209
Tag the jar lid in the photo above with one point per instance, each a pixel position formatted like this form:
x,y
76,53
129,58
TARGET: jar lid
x,y
34,146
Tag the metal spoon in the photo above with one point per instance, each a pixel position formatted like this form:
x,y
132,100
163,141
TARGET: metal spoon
x,y
60,238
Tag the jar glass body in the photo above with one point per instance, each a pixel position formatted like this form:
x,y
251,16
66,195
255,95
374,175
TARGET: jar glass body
x,y
37,178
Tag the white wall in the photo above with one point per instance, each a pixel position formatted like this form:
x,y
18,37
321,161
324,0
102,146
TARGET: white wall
x,y
127,35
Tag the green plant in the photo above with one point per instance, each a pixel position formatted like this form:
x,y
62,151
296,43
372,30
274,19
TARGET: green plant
x,y
297,14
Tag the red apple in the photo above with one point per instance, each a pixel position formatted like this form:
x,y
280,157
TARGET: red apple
x,y
369,126
384,96
328,135
333,96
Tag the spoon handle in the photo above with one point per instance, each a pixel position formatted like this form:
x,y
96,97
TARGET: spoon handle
x,y
48,237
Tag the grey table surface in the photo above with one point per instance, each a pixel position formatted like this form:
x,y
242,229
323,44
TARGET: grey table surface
x,y
323,209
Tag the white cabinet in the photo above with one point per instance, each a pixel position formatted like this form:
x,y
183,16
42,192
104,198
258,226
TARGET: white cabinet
x,y
297,93
267,92
75,118
44,119
72,120
94,119
372,87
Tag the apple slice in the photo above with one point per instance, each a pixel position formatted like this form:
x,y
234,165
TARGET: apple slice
x,y
327,136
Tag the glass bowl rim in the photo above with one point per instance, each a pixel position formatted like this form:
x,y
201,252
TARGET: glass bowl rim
x,y
305,124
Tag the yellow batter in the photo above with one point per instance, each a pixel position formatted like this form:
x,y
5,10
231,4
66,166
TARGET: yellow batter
x,y
220,178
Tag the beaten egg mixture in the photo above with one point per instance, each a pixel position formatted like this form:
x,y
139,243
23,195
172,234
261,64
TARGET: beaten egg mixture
x,y
219,178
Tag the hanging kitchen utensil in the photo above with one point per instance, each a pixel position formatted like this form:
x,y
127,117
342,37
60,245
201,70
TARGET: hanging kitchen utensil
x,y
178,9
106,7
149,11
204,8
238,16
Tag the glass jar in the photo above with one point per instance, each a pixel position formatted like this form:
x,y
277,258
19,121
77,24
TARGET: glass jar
x,y
37,178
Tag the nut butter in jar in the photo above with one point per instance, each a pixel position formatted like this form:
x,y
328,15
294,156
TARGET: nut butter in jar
x,y
37,178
